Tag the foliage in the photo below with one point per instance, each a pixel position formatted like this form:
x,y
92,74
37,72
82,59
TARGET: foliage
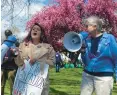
x,y
67,15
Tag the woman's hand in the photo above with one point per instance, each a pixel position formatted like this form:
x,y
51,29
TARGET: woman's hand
x,y
32,60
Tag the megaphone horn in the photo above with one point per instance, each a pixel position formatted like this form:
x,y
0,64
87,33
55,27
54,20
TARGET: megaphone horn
x,y
73,41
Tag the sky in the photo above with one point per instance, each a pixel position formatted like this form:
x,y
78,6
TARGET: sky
x,y
20,12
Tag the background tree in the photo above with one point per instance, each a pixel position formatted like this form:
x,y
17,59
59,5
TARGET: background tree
x,y
67,15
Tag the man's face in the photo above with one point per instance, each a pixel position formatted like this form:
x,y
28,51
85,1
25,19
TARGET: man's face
x,y
91,29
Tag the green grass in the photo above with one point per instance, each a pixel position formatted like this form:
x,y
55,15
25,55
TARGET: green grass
x,y
66,82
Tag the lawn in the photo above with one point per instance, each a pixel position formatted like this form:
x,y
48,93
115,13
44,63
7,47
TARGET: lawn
x,y
66,82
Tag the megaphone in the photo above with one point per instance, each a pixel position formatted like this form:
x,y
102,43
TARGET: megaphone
x,y
73,41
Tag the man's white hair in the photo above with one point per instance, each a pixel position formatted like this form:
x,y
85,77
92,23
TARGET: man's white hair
x,y
94,21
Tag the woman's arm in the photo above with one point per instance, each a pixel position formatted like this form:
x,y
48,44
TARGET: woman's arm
x,y
51,57
19,60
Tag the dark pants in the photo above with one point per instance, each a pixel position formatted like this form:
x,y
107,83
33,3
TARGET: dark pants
x,y
10,74
57,66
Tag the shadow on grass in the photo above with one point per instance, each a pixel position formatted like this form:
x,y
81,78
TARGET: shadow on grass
x,y
56,92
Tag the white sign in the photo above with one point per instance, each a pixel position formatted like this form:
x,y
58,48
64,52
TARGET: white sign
x,y
30,79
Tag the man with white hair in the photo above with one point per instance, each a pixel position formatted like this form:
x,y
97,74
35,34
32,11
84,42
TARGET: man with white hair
x,y
100,59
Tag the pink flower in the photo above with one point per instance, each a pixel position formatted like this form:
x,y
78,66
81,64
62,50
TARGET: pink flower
x,y
66,15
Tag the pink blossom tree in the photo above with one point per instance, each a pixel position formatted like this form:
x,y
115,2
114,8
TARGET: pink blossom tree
x,y
67,15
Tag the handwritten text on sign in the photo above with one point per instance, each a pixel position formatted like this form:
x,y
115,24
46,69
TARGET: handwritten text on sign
x,y
30,80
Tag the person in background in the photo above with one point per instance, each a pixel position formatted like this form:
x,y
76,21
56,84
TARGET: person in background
x,y
76,61
8,68
65,59
6,44
58,61
74,58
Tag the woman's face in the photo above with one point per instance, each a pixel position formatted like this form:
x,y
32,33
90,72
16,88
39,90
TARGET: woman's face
x,y
36,32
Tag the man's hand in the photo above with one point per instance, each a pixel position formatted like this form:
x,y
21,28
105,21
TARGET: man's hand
x,y
83,48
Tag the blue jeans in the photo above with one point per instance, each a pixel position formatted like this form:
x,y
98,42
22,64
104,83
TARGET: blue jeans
x,y
57,66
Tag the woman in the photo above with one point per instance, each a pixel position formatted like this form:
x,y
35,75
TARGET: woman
x,y
34,58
